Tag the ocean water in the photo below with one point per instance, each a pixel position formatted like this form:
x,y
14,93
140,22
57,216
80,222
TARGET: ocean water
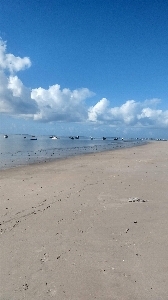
x,y
17,150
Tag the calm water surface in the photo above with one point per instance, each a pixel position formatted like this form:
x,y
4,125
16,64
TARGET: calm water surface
x,y
17,150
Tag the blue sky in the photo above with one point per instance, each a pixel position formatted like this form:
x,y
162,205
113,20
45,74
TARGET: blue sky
x,y
86,67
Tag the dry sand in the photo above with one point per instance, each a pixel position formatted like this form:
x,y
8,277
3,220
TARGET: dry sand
x,y
87,227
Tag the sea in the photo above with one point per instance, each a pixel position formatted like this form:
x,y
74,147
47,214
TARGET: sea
x,y
18,149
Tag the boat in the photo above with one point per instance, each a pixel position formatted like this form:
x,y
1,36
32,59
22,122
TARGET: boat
x,y
5,136
104,138
54,138
91,137
33,138
77,137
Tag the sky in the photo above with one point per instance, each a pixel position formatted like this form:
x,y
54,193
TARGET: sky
x,y
86,67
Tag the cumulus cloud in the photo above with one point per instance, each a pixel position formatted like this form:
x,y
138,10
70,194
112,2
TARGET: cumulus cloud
x,y
56,104
150,116
15,98
131,113
11,62
61,105
99,112
52,104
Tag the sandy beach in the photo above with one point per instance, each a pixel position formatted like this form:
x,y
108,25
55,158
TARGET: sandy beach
x,y
88,227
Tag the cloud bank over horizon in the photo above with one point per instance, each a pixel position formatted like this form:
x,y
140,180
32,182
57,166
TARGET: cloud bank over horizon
x,y
55,104
131,113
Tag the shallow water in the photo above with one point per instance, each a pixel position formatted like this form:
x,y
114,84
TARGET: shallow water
x,y
17,150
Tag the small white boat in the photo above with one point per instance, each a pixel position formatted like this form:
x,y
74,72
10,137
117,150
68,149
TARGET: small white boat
x,y
54,138
33,138
5,136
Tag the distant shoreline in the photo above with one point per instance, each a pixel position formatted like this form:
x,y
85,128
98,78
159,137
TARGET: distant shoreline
x,y
59,159
38,154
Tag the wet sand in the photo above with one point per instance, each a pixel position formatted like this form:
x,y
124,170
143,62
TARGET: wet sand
x,y
87,227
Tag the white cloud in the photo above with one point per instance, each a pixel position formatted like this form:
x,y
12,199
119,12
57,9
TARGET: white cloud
x,y
99,112
154,117
56,104
15,98
131,113
125,113
20,97
102,112
61,105
11,62
48,105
